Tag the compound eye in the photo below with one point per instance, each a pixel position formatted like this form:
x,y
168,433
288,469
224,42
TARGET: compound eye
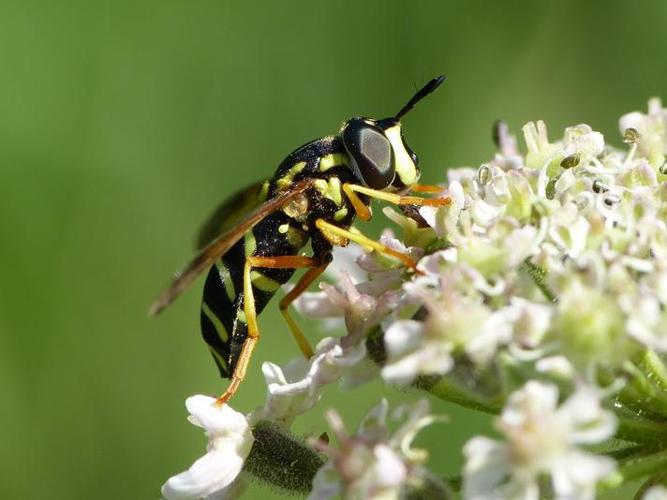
x,y
371,153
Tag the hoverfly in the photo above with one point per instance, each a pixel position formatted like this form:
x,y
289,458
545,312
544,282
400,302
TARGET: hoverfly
x,y
252,243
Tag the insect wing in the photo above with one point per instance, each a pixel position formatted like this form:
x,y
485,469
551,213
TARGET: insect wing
x,y
221,245
229,213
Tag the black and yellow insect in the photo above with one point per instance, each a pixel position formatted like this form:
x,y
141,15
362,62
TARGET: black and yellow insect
x,y
252,243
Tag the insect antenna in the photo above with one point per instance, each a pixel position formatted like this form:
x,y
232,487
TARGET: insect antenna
x,y
420,94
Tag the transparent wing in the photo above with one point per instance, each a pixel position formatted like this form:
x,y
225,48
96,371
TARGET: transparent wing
x,y
221,245
229,213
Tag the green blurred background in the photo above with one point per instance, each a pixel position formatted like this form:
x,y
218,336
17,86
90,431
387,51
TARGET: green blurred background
x,y
122,124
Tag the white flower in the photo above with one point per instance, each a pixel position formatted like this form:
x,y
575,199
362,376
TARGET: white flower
x,y
589,327
294,389
345,259
371,464
530,322
443,217
411,352
457,322
289,391
413,234
364,466
652,130
569,230
583,142
647,321
542,439
540,151
508,156
362,305
229,442
658,492
556,366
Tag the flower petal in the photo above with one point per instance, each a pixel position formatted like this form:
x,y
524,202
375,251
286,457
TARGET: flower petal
x,y
207,476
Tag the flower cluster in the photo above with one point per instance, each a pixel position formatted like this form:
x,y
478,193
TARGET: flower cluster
x,y
374,463
541,439
540,295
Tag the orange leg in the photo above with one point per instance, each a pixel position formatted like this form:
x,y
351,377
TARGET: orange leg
x,y
301,286
334,234
364,211
426,188
279,262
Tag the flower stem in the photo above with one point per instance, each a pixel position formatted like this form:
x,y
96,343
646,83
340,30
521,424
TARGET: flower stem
x,y
281,460
538,276
447,389
444,387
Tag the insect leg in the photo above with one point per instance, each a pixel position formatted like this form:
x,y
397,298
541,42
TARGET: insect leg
x,y
363,211
288,261
294,262
301,286
334,233
426,188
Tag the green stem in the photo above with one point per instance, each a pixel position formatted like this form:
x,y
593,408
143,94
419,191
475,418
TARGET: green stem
x,y
448,390
636,468
443,387
654,368
282,460
538,276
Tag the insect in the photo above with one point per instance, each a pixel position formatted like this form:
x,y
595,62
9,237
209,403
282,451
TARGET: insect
x,y
252,243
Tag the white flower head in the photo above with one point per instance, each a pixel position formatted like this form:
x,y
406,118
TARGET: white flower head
x,y
364,466
229,442
362,306
589,327
412,352
371,463
295,388
542,439
456,322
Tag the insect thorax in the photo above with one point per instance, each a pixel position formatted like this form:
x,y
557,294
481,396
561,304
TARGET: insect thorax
x,y
326,161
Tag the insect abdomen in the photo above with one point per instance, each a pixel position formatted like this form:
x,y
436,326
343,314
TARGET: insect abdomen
x,y
223,322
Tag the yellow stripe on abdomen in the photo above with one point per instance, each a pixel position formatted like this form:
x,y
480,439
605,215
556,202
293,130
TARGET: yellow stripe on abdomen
x,y
215,321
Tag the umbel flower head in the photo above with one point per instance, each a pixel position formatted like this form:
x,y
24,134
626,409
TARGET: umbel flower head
x,y
540,297
372,463
542,439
